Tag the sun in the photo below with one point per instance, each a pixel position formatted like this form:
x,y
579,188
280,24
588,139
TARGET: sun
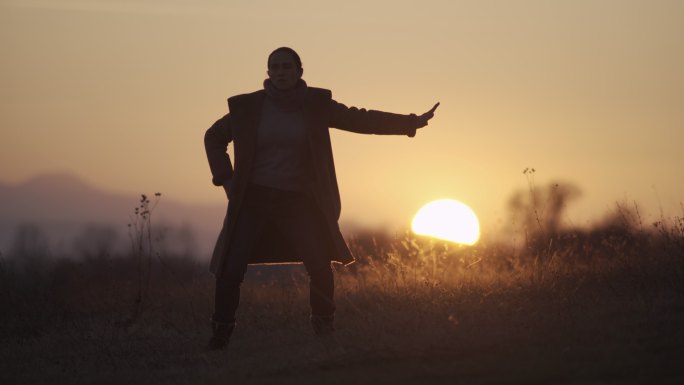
x,y
449,220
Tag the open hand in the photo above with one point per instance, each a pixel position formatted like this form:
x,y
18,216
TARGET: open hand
x,y
423,119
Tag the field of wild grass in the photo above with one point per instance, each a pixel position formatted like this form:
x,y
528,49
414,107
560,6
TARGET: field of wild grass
x,y
574,307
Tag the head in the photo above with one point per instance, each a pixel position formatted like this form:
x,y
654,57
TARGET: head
x,y
284,68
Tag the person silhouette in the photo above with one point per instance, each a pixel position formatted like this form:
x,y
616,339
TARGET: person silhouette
x,y
283,198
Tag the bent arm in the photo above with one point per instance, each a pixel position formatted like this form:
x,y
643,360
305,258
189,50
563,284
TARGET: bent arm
x,y
216,141
371,122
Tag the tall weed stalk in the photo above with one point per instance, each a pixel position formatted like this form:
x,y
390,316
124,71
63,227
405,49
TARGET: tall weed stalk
x,y
140,235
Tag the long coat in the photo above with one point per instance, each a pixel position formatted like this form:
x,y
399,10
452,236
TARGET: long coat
x,y
321,112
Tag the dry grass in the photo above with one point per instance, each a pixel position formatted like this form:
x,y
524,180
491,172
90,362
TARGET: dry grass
x,y
590,307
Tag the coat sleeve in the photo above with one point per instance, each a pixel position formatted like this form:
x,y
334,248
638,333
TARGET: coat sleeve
x,y
216,141
370,121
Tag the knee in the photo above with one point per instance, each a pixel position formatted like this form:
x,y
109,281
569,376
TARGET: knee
x,y
322,270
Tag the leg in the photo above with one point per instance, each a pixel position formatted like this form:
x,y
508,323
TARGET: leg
x,y
246,234
301,223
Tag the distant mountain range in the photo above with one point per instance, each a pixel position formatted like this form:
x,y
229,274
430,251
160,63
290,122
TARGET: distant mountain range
x,y
62,207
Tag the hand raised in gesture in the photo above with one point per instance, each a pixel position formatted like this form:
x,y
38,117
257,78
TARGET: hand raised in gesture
x,y
423,119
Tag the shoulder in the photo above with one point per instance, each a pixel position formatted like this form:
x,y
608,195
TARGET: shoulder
x,y
249,98
319,99
319,93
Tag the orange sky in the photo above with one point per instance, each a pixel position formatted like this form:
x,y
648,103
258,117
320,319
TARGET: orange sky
x,y
588,92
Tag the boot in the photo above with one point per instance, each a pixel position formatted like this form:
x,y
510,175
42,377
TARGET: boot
x,y
221,332
322,325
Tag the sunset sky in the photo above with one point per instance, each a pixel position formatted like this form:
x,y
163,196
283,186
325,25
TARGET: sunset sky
x,y
589,93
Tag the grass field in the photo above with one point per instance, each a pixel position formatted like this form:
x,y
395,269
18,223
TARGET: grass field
x,y
598,307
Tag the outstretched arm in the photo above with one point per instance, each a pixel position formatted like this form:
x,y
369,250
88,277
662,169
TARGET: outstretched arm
x,y
216,141
377,122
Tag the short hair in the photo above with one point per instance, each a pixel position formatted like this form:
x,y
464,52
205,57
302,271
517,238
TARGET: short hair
x,y
288,50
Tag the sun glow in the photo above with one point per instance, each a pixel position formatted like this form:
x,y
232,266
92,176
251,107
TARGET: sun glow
x,y
449,220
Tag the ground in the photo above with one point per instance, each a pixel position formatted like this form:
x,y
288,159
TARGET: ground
x,y
431,320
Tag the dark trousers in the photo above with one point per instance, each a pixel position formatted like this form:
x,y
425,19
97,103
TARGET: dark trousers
x,y
295,216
